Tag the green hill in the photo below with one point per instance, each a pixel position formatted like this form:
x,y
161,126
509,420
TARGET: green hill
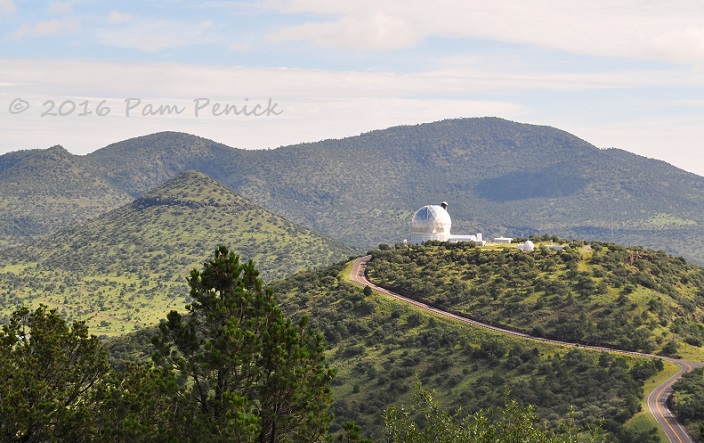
x,y
500,177
126,268
42,191
599,293
381,348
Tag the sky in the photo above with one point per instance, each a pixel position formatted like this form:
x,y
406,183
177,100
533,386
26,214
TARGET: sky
x,y
266,73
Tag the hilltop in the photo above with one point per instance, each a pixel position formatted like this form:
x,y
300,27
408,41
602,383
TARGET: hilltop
x,y
500,177
125,268
600,293
43,190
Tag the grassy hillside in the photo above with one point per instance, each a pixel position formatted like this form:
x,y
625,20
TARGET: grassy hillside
x,y
599,293
500,177
126,268
380,346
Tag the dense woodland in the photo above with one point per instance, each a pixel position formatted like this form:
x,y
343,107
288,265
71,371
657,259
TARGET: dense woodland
x,y
597,293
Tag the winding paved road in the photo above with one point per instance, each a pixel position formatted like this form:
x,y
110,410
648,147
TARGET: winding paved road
x,y
657,400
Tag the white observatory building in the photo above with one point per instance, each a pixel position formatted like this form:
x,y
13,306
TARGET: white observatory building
x,y
433,222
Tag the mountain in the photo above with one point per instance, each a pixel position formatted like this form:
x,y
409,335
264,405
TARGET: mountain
x,y
126,268
500,178
43,190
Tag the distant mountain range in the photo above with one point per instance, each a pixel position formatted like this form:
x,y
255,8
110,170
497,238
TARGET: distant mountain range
x,y
500,178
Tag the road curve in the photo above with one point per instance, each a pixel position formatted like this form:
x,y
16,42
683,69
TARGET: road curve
x,y
657,400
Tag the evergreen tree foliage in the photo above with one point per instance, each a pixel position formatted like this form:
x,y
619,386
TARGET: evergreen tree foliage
x,y
141,403
427,422
254,376
50,371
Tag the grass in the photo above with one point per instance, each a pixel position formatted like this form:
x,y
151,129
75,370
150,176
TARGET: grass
x,y
391,347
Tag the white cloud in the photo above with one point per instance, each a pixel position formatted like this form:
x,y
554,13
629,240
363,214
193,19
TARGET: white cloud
x,y
377,32
316,104
7,7
117,17
614,28
156,35
320,104
243,46
48,28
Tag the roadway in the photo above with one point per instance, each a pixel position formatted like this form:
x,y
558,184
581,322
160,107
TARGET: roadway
x,y
657,400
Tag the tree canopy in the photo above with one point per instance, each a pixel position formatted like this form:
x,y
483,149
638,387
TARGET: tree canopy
x,y
50,373
253,375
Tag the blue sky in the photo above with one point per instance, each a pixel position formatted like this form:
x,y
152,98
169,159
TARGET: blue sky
x,y
617,73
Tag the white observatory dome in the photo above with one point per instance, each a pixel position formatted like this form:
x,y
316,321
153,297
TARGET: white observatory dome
x,y
528,246
430,222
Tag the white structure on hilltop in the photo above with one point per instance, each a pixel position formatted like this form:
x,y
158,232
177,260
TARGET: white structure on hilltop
x,y
528,246
432,222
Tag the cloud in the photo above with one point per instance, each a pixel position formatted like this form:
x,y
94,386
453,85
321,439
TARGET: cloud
x,y
377,32
241,46
612,28
155,35
49,28
7,7
321,104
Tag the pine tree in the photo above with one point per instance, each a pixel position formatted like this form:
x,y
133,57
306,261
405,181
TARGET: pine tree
x,y
50,371
253,374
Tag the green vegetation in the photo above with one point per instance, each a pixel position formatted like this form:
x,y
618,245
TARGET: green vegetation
x,y
508,424
644,420
379,346
363,190
686,402
602,293
234,369
123,270
43,191
50,372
